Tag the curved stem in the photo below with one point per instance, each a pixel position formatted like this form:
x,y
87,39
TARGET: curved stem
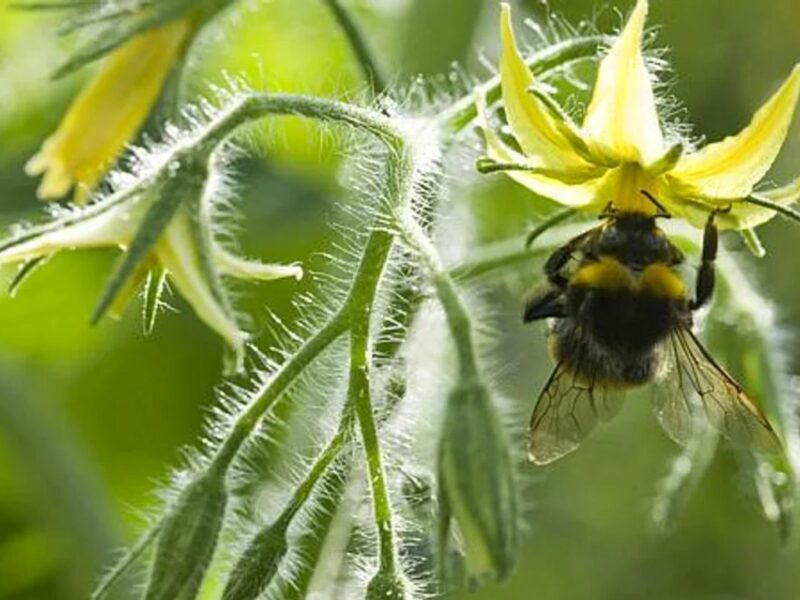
x,y
458,320
250,108
475,269
360,302
359,46
355,314
548,223
126,562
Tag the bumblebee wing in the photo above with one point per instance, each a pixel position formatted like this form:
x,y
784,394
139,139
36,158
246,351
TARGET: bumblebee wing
x,y
675,401
695,376
567,411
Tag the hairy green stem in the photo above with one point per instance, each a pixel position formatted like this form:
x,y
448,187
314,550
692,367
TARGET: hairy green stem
x,y
473,269
458,320
782,209
359,45
256,106
360,302
249,419
303,491
109,580
355,314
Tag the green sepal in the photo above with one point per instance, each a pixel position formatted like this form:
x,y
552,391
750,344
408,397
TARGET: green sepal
x,y
108,40
753,243
129,290
186,183
125,562
154,287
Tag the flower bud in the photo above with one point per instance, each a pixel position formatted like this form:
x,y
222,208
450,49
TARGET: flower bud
x,y
187,541
258,564
476,482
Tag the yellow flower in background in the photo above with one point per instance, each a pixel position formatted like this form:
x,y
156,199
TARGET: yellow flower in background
x,y
620,148
108,112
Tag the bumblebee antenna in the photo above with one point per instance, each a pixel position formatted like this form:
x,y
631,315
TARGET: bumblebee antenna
x,y
662,213
609,211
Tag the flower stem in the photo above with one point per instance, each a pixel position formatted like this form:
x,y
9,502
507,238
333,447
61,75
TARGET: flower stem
x,y
249,419
360,305
250,108
458,320
359,46
782,209
355,315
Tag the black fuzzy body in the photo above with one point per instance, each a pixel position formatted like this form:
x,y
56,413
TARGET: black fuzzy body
x,y
606,331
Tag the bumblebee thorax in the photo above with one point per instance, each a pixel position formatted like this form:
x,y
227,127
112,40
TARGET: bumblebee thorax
x,y
636,241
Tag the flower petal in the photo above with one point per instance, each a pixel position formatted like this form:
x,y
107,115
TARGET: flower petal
x,y
109,111
576,195
178,253
533,127
622,115
730,168
113,227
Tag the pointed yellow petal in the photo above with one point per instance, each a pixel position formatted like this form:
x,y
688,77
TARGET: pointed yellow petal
x,y
622,115
533,127
109,111
578,195
730,168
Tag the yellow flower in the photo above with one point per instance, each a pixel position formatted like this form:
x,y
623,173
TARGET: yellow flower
x,y
620,148
163,225
109,111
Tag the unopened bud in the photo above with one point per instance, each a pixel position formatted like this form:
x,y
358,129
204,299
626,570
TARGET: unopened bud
x,y
187,541
258,564
476,482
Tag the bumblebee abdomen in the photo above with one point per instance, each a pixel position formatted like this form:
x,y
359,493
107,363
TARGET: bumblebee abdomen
x,y
595,363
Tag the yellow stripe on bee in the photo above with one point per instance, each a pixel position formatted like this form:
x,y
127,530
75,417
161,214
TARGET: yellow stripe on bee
x,y
608,273
661,281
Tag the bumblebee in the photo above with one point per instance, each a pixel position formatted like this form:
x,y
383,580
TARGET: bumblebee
x,y
620,317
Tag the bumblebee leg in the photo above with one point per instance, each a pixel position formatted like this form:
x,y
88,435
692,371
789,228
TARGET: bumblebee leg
x,y
543,305
558,259
555,262
704,286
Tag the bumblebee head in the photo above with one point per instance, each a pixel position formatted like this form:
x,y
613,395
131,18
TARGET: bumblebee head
x,y
639,220
634,238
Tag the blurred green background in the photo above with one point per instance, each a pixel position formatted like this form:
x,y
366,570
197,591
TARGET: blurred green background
x,y
91,417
